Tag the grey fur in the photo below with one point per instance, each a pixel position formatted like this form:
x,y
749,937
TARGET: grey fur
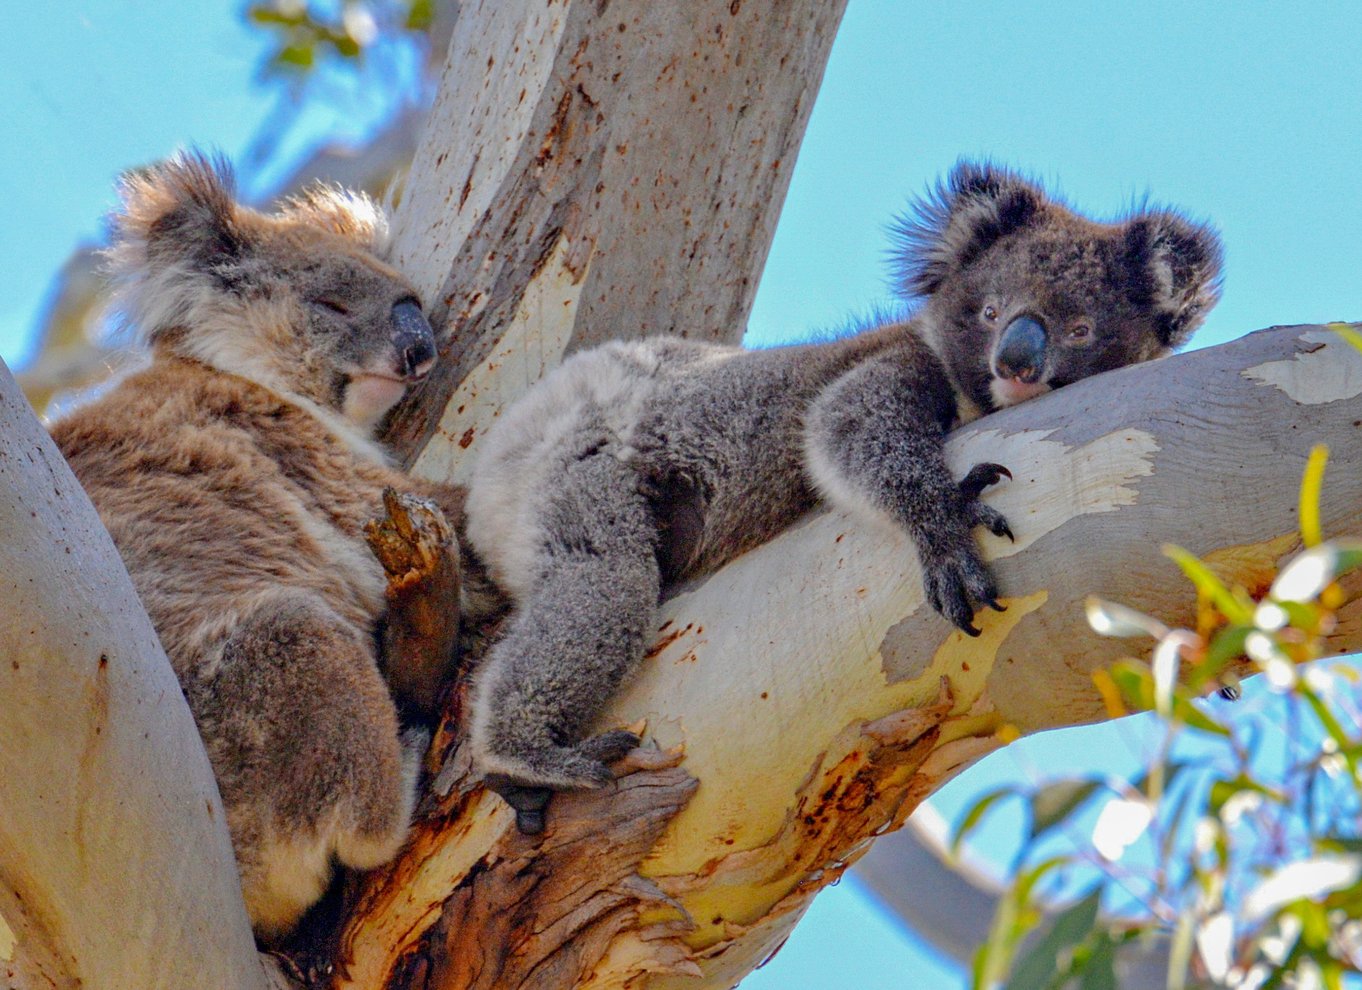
x,y
638,465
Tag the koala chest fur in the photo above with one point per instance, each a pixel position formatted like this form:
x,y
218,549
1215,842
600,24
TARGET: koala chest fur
x,y
251,493
638,465
235,474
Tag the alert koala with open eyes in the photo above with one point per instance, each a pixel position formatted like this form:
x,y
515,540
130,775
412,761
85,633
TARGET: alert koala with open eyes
x,y
235,474
635,466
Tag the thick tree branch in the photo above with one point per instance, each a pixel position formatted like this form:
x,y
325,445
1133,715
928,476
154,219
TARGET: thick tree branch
x,y
116,870
818,699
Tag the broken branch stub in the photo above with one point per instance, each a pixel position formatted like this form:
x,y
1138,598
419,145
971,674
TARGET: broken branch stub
x,y
416,546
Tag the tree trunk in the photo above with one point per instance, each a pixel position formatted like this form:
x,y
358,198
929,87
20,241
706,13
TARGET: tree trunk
x,y
595,170
116,869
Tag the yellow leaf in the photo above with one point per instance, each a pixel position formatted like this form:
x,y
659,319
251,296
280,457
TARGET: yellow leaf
x,y
1310,489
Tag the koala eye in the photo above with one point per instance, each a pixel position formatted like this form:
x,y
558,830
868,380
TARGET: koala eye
x,y
990,313
339,309
1080,331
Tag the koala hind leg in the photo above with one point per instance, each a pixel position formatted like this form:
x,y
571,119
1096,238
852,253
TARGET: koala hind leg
x,y
303,737
574,637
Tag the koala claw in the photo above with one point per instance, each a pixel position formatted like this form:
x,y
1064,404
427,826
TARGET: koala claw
x,y
981,476
992,520
528,802
609,747
952,585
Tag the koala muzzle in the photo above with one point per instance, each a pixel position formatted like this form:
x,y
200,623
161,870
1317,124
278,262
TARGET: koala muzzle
x,y
413,339
1021,351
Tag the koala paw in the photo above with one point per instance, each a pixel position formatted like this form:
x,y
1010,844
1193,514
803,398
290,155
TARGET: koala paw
x,y
527,802
982,476
954,582
954,576
609,747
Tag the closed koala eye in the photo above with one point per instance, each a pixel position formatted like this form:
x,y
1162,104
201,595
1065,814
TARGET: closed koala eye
x,y
331,305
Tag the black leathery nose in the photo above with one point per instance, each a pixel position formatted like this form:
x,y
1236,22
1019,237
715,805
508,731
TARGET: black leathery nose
x,y
1021,350
413,338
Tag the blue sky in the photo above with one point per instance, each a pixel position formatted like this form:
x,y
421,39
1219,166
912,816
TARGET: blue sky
x,y
1247,114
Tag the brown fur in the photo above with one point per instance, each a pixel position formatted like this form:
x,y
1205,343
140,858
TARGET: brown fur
x,y
235,481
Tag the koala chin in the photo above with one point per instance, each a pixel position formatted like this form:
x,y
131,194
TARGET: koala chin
x,y
235,474
636,466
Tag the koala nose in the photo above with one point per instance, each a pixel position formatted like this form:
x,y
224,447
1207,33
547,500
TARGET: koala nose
x,y
413,339
1021,351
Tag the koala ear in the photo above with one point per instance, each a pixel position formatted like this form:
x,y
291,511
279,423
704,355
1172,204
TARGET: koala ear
x,y
178,240
340,211
975,206
1177,265
179,211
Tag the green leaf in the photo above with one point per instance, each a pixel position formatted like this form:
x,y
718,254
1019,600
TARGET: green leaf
x,y
296,56
1099,971
1340,843
1348,334
1222,790
1226,646
977,812
1311,483
1209,585
271,16
1074,924
1054,803
1137,687
1012,922
420,15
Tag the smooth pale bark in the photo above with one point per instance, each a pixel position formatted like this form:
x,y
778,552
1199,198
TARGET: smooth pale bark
x,y
817,699
593,171
116,870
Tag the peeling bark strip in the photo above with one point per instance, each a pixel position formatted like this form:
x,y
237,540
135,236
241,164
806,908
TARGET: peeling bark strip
x,y
472,903
591,171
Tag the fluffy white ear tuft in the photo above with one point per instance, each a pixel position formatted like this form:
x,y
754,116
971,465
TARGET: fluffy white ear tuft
x,y
341,211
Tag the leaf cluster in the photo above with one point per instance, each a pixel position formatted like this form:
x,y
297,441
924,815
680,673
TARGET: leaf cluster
x,y
1237,854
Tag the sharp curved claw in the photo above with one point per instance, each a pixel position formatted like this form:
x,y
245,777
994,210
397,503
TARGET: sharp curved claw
x,y
969,630
981,476
994,604
1007,531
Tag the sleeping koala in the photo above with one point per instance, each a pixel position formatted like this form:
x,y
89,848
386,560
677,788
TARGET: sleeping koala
x,y
635,466
235,474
